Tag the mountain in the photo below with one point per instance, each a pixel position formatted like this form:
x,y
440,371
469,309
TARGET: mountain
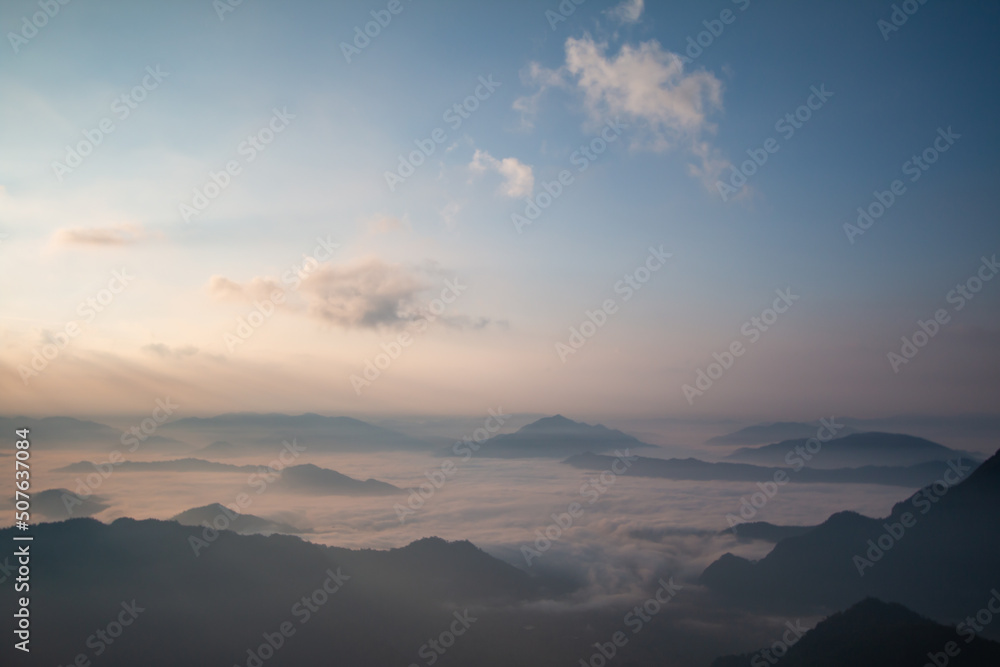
x,y
312,479
875,634
316,432
60,504
759,434
220,448
244,524
70,433
175,465
449,571
859,449
695,469
938,552
557,437
231,596
764,531
306,478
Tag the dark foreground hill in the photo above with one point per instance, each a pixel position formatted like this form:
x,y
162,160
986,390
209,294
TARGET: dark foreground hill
x,y
244,524
874,634
206,598
938,553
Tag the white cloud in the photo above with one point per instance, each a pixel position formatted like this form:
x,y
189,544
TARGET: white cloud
x,y
712,164
365,294
519,180
645,84
629,11
225,289
646,87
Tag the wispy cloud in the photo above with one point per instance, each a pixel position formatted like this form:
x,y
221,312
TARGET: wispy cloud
x,y
629,11
166,352
518,178
115,235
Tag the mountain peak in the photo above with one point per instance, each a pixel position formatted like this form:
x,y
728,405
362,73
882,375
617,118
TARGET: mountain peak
x,y
554,421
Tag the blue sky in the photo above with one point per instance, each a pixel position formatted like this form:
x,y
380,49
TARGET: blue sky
x,y
324,176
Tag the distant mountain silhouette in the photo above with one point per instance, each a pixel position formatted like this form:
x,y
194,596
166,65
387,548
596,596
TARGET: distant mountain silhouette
x,y
759,434
308,478
859,449
175,465
71,433
764,531
875,634
557,437
220,448
244,524
941,565
316,432
695,469
60,504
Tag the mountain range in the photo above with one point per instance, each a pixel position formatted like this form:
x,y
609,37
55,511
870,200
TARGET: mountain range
x,y
858,449
913,476
304,478
937,552
557,437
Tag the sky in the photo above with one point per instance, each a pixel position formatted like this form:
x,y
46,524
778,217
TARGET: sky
x,y
260,207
